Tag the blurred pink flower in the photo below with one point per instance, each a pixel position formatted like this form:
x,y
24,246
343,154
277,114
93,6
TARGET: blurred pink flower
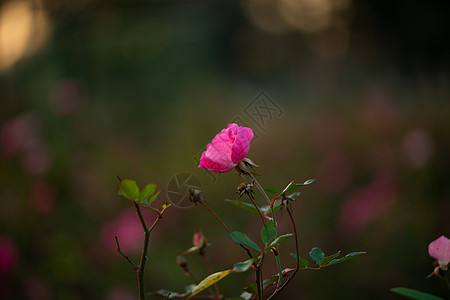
x,y
128,230
440,249
368,203
8,255
227,149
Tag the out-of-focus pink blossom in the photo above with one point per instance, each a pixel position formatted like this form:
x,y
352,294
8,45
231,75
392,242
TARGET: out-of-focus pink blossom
x,y
8,255
128,230
17,132
440,249
367,204
227,149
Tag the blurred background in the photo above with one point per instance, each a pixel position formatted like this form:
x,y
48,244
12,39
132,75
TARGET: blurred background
x,y
352,93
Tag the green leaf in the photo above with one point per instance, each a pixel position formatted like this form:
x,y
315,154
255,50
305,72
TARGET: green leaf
x,y
210,280
246,296
242,238
153,198
294,195
146,192
414,294
250,207
268,232
243,265
279,239
327,259
269,281
301,261
317,255
242,204
298,185
129,189
287,187
266,208
309,181
273,191
345,258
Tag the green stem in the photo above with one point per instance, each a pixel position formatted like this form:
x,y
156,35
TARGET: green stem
x,y
258,283
278,290
446,279
263,192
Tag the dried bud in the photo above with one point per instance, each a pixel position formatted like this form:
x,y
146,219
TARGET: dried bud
x,y
245,188
182,262
195,196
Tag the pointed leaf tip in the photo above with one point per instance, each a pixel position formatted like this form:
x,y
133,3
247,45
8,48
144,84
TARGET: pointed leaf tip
x,y
147,191
242,238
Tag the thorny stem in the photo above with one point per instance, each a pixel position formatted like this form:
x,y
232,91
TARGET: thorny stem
x,y
277,257
224,226
140,268
278,289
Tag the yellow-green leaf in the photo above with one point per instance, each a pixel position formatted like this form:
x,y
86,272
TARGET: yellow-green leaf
x,y
147,191
129,189
210,280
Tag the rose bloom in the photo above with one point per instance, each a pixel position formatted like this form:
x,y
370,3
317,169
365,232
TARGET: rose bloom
x,y
227,149
440,249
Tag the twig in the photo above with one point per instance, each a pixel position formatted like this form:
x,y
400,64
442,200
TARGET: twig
x,y
257,208
125,256
225,227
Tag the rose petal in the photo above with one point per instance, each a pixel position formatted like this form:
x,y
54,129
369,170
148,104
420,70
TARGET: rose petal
x,y
241,144
440,249
217,158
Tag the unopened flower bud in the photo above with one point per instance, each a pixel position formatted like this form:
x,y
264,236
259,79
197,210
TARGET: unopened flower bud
x,y
199,240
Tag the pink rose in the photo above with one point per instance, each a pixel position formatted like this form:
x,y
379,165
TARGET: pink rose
x,y
227,149
440,249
